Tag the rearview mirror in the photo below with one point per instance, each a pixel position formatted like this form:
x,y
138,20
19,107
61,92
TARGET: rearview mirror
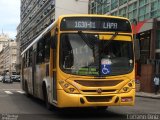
x,y
54,41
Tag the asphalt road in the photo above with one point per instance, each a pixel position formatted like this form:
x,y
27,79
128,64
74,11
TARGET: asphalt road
x,y
15,105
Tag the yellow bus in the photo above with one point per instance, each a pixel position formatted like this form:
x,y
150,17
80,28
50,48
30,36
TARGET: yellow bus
x,y
82,61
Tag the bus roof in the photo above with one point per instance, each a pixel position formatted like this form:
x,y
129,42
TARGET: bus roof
x,y
61,17
92,15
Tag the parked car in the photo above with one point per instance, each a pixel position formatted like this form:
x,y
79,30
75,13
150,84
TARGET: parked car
x,y
15,78
1,78
7,79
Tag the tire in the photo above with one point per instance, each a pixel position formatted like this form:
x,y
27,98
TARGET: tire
x,y
26,89
45,95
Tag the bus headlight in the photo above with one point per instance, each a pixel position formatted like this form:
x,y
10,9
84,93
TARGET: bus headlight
x,y
125,89
68,87
128,87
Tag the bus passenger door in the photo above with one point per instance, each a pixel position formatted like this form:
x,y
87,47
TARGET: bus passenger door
x,y
33,70
54,76
53,57
22,73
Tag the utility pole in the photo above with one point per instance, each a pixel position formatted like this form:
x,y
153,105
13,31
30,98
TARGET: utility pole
x,y
136,41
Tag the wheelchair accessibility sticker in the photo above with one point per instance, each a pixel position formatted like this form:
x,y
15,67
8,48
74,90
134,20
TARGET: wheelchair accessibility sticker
x,y
106,66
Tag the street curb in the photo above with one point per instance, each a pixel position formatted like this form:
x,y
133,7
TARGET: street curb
x,y
148,97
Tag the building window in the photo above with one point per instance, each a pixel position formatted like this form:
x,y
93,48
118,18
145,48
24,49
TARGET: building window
x,y
92,4
106,9
143,2
153,14
154,6
144,13
130,15
146,16
121,2
106,6
114,13
93,11
141,18
123,12
132,7
99,9
114,4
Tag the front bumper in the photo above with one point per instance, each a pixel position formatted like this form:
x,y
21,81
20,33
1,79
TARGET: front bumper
x,y
81,100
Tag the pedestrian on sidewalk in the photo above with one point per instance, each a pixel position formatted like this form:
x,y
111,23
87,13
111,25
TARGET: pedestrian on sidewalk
x,y
156,84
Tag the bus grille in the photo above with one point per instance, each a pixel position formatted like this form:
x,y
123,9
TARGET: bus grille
x,y
96,90
90,83
98,98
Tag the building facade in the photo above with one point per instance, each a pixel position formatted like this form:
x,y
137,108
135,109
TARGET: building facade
x,y
132,9
8,57
1,62
36,15
18,61
144,16
4,39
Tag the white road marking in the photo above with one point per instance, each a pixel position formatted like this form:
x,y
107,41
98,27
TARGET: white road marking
x,y
8,92
11,89
22,92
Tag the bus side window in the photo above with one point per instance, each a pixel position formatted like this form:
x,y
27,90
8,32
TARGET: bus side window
x,y
27,59
30,56
67,53
24,61
40,51
47,49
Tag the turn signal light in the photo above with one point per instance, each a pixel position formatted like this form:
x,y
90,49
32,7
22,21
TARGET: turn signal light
x,y
130,84
125,89
128,87
71,90
68,87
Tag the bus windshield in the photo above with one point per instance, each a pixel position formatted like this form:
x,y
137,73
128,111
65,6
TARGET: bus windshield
x,y
85,54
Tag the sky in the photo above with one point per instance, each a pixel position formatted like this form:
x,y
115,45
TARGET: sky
x,y
9,17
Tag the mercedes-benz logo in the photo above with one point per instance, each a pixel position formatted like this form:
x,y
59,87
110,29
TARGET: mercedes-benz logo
x,y
99,90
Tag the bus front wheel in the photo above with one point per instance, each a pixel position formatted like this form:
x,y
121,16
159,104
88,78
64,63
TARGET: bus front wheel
x,y
45,95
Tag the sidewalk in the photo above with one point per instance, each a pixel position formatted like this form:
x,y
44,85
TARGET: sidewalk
x,y
148,95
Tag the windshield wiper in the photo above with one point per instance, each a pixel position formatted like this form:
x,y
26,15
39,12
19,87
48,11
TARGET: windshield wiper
x,y
90,41
112,38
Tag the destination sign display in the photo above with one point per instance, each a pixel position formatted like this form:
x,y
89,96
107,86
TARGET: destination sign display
x,y
95,23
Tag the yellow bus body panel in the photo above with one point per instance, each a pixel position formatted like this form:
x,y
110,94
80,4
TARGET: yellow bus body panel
x,y
65,99
73,100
